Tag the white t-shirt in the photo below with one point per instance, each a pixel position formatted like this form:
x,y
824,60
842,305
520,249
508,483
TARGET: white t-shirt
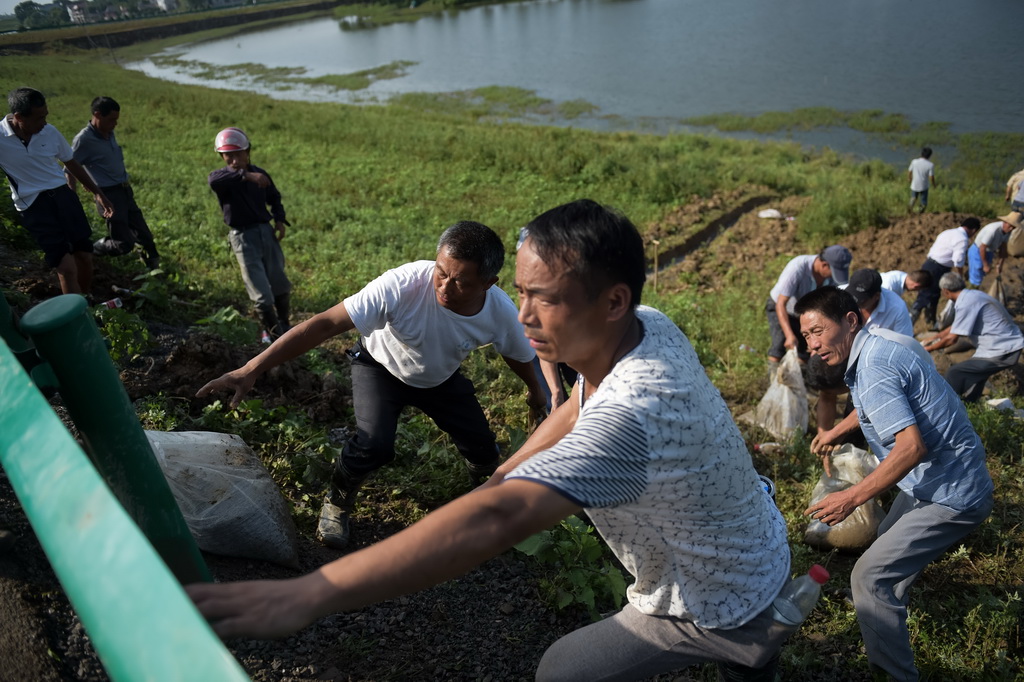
x,y
891,313
32,169
894,281
658,463
950,248
987,324
992,236
921,169
421,342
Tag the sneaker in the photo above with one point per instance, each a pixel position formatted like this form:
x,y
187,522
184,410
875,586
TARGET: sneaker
x,y
333,528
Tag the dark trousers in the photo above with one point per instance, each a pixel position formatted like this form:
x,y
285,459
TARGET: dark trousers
x,y
127,225
968,377
778,347
378,398
928,299
58,224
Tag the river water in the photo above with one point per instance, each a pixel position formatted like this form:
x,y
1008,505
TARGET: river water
x,y
650,63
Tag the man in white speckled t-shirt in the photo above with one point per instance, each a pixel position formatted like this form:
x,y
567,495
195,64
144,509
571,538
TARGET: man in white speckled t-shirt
x,y
645,445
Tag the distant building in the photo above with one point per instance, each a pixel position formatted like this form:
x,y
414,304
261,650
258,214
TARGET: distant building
x,y
81,13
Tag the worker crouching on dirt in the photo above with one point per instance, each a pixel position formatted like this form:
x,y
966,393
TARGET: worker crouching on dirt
x,y
244,192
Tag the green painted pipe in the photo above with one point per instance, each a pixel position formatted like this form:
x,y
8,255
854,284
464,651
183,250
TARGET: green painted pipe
x,y
139,620
66,336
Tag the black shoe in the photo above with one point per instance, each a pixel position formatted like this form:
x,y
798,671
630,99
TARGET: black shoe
x,y
151,262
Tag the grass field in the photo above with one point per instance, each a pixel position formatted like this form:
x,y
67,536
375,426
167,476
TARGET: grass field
x,y
369,188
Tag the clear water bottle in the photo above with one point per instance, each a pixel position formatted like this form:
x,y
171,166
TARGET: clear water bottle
x,y
798,597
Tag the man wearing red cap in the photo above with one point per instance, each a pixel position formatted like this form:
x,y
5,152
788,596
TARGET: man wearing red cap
x,y
245,192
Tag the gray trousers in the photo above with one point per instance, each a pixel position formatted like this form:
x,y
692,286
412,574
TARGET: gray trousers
x,y
913,534
260,257
968,377
633,646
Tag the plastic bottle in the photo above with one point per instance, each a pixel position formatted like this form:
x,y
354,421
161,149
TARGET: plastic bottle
x,y
798,597
265,337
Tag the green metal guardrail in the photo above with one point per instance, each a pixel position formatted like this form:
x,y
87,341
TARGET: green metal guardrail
x,y
140,621
66,337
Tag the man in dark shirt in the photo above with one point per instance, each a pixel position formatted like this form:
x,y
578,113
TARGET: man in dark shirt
x,y
96,148
244,192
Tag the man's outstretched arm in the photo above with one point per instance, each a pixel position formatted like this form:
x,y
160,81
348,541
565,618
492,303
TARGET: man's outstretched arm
x,y
444,545
296,341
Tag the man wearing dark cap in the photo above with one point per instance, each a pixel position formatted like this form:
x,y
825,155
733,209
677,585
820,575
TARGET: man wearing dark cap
x,y
879,306
801,275
948,252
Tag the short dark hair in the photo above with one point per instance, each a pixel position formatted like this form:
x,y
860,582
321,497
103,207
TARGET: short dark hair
x,y
23,100
104,105
926,152
476,243
831,302
597,244
922,277
972,224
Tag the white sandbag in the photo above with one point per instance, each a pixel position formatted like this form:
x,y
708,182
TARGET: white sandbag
x,y
996,291
231,504
858,530
1015,244
769,213
783,408
946,317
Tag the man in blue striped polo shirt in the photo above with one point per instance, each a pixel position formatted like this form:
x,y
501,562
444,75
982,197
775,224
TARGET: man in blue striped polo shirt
x,y
917,426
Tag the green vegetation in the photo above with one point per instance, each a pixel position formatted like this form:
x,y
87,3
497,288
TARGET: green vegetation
x,y
582,571
281,77
368,188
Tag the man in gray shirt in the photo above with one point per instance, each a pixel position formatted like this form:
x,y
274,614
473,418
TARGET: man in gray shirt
x,y
988,325
96,149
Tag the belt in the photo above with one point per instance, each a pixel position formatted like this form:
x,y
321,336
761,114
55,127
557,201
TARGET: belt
x,y
119,185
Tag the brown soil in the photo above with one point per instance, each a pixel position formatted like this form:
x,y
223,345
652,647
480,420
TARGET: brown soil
x,y
489,625
750,242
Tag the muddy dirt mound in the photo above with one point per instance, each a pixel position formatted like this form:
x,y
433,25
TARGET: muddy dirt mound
x,y
750,242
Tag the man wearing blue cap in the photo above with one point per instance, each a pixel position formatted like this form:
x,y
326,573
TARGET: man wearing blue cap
x,y
801,275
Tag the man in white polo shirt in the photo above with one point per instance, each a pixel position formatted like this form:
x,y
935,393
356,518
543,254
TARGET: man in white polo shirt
x,y
30,150
990,328
921,175
991,240
948,252
898,281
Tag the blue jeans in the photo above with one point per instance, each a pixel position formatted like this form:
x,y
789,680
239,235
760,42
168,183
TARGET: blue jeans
x,y
914,196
